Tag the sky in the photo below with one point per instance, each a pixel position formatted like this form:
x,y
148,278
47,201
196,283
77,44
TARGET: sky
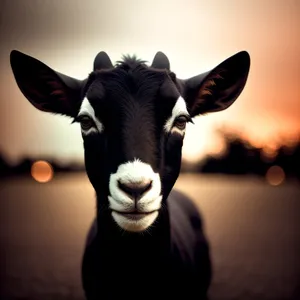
x,y
195,35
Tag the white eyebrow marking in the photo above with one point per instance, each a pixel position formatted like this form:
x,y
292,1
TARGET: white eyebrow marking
x,y
87,109
178,109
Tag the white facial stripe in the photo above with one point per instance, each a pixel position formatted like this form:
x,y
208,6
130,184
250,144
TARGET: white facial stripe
x,y
178,109
87,109
135,172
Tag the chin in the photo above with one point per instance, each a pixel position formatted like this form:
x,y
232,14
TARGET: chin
x,y
135,222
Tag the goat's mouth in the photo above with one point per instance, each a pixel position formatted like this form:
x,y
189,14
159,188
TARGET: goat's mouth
x,y
134,215
134,221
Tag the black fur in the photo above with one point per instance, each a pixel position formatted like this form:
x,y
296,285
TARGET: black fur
x,y
133,102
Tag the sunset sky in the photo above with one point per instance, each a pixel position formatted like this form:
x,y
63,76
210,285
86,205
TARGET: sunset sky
x,y
196,35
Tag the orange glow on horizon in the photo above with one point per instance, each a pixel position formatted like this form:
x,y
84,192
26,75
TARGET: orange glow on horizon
x,y
42,171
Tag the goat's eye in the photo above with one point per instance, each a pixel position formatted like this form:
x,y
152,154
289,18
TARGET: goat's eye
x,y
180,122
86,123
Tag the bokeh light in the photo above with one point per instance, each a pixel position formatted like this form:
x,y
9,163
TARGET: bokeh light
x,y
42,171
275,175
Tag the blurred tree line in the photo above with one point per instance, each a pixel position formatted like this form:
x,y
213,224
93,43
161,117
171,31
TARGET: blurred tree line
x,y
241,158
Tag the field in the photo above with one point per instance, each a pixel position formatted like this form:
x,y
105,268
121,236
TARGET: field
x,y
253,229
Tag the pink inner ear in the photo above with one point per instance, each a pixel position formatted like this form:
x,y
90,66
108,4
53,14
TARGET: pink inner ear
x,y
49,96
206,88
54,84
57,90
59,94
35,94
210,83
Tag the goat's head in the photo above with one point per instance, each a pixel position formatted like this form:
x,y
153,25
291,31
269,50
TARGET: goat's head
x,y
133,119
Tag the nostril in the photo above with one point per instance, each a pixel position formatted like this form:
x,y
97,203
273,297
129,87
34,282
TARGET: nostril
x,y
135,189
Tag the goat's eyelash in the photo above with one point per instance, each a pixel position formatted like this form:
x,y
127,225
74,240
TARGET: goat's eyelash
x,y
78,119
188,118
75,120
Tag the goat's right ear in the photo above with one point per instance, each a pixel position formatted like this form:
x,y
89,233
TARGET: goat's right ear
x,y
46,89
218,88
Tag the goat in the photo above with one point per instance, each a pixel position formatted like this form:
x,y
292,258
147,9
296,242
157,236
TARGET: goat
x,y
147,238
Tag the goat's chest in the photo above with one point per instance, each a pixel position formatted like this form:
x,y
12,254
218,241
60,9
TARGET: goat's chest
x,y
147,278
143,271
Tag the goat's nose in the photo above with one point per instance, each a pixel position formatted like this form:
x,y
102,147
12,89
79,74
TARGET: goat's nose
x,y
135,189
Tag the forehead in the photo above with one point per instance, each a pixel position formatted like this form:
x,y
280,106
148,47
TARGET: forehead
x,y
132,85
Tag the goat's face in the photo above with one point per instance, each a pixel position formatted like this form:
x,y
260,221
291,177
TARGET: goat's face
x,y
133,120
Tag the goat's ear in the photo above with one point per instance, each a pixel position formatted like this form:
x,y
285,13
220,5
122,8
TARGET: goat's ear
x,y
46,89
160,61
102,61
217,89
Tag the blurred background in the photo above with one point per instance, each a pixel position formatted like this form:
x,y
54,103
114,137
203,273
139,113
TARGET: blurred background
x,y
241,166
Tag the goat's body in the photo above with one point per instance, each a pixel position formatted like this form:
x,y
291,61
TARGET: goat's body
x,y
153,267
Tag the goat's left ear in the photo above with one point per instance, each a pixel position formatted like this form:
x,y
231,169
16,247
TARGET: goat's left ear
x,y
217,89
46,89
